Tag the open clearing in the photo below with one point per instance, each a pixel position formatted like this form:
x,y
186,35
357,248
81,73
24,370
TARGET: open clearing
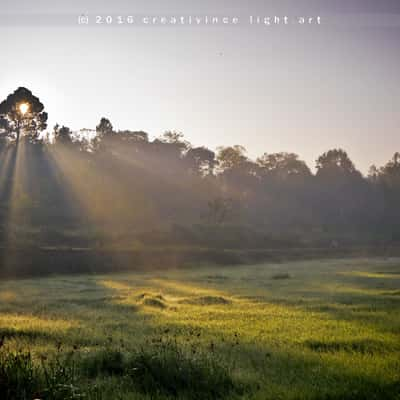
x,y
298,330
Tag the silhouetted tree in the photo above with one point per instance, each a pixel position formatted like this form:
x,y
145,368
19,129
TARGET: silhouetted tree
x,y
62,135
231,157
390,173
201,161
388,183
340,192
283,165
22,114
164,191
104,134
335,162
104,128
135,137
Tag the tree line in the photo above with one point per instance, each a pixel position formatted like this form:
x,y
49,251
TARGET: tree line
x,y
123,189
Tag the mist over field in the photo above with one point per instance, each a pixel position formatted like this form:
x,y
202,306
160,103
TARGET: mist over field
x,y
199,201
201,299
119,189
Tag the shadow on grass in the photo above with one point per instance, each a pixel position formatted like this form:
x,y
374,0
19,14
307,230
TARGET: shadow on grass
x,y
159,371
271,372
209,365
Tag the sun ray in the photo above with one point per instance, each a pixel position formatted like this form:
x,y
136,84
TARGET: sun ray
x,y
107,204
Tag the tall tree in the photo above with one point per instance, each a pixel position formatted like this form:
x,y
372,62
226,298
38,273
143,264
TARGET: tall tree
x,y
390,173
63,135
201,161
231,157
104,134
335,162
21,113
104,128
283,165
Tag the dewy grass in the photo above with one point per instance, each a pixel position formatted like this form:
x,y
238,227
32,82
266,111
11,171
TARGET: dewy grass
x,y
169,370
165,368
22,379
162,369
330,332
18,377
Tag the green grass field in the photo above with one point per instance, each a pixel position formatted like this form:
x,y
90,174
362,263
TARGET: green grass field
x,y
298,330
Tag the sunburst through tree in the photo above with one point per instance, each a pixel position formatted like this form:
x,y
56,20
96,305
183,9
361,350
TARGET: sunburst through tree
x,y
21,114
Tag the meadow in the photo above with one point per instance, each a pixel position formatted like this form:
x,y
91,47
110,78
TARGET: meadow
x,y
320,329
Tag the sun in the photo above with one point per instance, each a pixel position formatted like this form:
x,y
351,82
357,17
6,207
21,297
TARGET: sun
x,y
23,108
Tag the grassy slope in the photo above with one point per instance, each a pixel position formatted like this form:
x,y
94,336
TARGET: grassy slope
x,y
332,330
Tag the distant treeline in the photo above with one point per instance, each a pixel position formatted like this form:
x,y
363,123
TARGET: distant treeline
x,y
122,190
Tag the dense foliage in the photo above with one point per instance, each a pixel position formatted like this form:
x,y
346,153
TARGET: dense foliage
x,y
123,189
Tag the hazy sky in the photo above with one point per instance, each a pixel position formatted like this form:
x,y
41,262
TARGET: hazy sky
x,y
271,88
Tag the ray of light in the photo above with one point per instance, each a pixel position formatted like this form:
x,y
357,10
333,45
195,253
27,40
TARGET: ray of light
x,y
109,205
15,200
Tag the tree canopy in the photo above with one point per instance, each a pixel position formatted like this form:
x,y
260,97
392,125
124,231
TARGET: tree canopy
x,y
21,113
124,187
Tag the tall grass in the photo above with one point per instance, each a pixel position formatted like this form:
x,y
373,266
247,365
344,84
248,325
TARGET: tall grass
x,y
162,370
23,379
